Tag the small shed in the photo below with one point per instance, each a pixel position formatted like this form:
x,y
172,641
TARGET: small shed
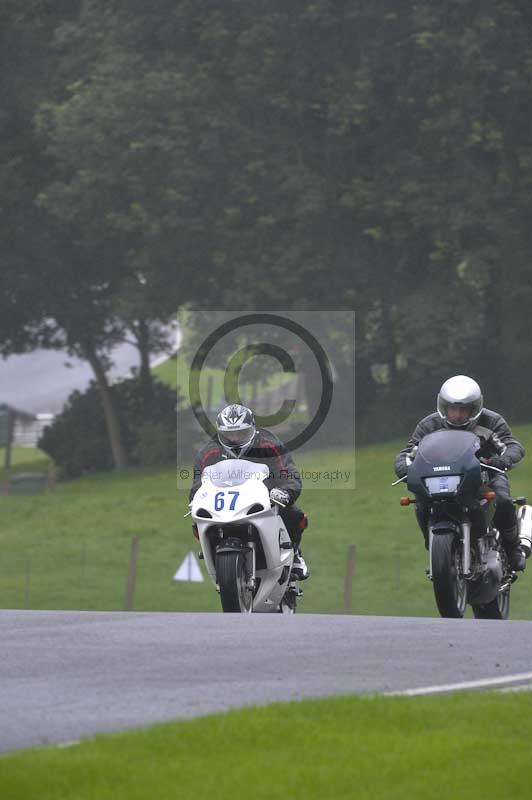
x,y
9,416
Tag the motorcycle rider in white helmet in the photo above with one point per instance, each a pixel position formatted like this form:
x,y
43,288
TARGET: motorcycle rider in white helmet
x,y
460,406
237,436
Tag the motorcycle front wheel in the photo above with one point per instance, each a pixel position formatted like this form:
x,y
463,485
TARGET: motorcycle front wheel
x,y
235,594
450,587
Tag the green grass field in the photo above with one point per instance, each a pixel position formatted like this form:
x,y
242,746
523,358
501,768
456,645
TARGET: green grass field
x,y
69,548
465,746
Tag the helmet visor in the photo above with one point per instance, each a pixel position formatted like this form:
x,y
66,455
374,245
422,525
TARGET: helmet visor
x,y
459,415
238,437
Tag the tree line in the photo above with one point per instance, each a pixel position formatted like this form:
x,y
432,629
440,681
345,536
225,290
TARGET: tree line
x,y
242,154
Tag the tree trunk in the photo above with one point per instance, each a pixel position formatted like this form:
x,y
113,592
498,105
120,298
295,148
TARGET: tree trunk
x,y
142,332
112,419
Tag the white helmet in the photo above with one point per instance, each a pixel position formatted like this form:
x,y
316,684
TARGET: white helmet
x,y
235,426
464,392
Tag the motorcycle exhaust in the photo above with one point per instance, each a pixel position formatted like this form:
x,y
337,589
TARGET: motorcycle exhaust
x,y
466,553
524,528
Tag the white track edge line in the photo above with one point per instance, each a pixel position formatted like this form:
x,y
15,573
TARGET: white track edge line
x,y
454,687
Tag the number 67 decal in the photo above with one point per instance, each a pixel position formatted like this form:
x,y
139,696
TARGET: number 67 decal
x,y
219,500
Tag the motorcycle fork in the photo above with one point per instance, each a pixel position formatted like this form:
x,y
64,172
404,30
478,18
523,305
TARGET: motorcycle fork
x,y
249,554
252,581
466,549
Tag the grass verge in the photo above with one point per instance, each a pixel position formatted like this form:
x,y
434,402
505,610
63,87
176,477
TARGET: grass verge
x,y
459,746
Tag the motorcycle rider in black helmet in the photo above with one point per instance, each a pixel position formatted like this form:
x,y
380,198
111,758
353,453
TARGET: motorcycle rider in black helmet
x,y
460,406
237,436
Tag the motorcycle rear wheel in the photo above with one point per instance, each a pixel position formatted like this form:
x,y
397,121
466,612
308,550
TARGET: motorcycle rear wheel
x,y
235,594
498,608
450,588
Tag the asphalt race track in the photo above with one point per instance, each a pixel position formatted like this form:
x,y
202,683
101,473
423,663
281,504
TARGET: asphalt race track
x,y
66,675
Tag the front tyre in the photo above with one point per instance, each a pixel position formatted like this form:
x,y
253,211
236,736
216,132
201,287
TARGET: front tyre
x,y
235,592
450,587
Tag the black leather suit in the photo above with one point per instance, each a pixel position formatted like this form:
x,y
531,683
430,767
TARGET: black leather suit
x,y
505,515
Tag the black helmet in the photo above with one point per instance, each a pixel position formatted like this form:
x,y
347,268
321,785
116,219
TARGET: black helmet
x,y
235,427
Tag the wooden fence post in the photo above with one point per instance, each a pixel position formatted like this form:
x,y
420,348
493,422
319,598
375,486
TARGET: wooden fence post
x,y
129,600
27,583
348,584
209,402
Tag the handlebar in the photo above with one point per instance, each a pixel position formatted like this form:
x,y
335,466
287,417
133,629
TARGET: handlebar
x,y
495,469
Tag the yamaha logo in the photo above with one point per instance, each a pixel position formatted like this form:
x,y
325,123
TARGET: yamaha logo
x,y
441,469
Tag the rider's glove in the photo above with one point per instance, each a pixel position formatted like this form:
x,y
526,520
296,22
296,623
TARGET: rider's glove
x,y
410,456
501,462
279,496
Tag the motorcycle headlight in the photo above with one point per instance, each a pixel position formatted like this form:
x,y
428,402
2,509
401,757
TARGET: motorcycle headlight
x,y
443,484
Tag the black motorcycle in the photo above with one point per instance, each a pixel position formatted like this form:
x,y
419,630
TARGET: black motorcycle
x,y
467,561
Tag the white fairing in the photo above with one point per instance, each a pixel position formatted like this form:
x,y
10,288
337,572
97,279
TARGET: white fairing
x,y
228,491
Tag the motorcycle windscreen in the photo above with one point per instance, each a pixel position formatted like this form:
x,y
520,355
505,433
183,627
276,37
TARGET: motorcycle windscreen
x,y
446,454
234,471
448,447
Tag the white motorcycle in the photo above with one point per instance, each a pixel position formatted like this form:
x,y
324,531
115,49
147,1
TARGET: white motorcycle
x,y
244,542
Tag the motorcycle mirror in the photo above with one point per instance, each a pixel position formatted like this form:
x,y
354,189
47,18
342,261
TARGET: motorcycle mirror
x,y
404,501
399,481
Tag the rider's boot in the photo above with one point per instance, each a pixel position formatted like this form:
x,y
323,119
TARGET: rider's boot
x,y
514,551
300,571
